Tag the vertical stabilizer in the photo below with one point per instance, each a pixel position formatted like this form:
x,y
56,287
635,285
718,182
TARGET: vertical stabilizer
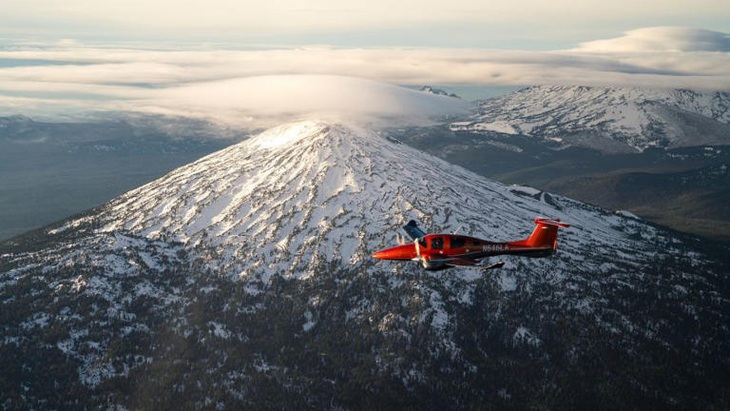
x,y
545,234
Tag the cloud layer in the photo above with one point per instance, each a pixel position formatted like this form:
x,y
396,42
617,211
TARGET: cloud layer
x,y
69,77
265,99
662,40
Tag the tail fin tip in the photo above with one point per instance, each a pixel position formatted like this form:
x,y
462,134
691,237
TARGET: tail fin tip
x,y
551,222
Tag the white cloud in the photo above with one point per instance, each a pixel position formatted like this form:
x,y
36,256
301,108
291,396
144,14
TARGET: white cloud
x,y
267,98
661,40
235,82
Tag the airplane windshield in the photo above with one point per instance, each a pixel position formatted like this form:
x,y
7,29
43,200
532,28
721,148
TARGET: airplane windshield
x,y
437,243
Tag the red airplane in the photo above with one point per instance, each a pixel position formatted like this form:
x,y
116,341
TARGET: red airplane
x,y
442,251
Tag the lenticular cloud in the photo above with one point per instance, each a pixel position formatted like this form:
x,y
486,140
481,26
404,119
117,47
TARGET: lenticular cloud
x,y
266,97
652,39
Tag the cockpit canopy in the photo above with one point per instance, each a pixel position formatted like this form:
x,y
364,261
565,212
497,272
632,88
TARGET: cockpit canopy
x,y
448,242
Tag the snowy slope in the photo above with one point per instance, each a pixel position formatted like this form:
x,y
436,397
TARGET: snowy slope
x,y
301,194
608,119
250,269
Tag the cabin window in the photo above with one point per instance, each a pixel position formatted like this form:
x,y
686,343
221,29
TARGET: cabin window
x,y
457,242
437,243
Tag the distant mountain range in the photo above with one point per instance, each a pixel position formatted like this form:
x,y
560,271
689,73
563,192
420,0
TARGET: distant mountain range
x,y
244,280
610,120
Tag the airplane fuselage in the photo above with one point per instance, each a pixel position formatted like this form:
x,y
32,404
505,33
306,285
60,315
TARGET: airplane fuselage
x,y
441,251
433,248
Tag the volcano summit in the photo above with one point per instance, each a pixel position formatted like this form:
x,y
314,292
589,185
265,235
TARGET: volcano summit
x,y
244,280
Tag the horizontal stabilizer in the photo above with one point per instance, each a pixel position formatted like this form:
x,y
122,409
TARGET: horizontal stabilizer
x,y
461,262
550,222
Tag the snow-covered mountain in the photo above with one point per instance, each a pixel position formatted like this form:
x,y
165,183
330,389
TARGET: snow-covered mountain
x,y
313,191
245,278
608,119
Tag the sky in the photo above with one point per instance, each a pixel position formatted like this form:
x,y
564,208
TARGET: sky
x,y
502,24
69,56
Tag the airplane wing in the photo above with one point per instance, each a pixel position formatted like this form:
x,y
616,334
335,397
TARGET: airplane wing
x,y
454,261
465,262
461,262
413,231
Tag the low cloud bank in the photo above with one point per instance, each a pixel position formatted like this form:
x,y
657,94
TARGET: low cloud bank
x,y
249,84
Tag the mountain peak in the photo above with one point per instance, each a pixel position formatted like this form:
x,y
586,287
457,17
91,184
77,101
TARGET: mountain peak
x,y
293,133
300,194
288,134
269,200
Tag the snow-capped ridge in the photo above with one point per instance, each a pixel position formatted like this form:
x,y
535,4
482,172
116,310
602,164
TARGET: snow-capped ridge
x,y
608,119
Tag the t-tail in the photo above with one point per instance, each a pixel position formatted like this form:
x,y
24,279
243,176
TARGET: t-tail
x,y
544,237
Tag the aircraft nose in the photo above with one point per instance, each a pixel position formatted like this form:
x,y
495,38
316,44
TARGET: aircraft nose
x,y
380,255
401,252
